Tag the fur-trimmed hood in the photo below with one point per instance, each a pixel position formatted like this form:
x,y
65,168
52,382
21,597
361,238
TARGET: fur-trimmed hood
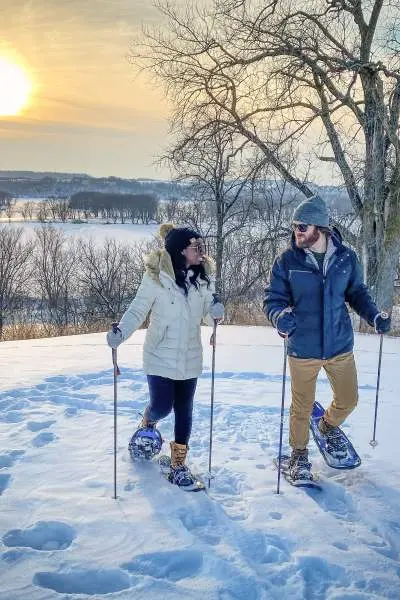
x,y
160,261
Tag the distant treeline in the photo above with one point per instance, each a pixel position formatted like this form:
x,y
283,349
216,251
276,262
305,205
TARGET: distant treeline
x,y
64,185
133,207
4,198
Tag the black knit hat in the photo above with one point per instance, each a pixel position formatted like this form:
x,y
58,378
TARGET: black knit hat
x,y
177,239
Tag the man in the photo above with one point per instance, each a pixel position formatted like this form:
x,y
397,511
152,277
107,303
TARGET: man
x,y
311,282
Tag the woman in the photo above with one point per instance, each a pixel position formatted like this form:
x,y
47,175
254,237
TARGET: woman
x,y
177,291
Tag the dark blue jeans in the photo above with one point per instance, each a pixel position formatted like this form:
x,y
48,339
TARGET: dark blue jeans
x,y
167,394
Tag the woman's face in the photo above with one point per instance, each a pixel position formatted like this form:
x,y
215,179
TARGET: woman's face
x,y
194,253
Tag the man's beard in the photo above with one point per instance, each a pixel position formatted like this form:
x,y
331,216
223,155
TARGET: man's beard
x,y
308,241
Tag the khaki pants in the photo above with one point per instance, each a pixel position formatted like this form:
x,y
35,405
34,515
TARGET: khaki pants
x,y
342,375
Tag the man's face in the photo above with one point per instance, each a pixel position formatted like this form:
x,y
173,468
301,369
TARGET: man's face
x,y
306,238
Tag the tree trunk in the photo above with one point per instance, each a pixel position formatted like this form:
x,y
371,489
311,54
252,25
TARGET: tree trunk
x,y
219,255
390,252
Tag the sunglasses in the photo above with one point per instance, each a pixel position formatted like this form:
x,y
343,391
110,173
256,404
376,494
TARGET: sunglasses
x,y
300,227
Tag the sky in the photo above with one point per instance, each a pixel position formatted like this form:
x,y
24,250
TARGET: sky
x,y
89,111
64,536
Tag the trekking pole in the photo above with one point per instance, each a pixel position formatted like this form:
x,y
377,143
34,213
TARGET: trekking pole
x,y
282,411
373,442
213,343
116,373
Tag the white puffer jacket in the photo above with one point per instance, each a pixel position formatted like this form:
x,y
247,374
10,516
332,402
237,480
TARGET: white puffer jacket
x,y
172,347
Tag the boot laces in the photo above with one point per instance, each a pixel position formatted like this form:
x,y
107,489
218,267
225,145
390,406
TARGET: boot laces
x,y
182,476
335,443
300,467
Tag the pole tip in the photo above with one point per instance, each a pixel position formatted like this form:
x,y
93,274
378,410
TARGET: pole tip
x,y
373,443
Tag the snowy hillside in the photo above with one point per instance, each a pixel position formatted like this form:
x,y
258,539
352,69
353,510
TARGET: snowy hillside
x,y
64,537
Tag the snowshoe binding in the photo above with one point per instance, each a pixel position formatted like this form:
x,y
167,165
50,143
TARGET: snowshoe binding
x,y
180,476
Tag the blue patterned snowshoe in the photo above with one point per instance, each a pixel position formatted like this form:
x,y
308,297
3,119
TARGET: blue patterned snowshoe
x,y
145,443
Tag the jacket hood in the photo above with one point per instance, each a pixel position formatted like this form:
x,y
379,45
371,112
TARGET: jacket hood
x,y
160,261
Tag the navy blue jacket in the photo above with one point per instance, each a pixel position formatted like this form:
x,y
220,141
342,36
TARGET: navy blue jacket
x,y
318,299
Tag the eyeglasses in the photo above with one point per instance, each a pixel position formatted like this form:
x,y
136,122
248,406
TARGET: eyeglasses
x,y
300,227
198,248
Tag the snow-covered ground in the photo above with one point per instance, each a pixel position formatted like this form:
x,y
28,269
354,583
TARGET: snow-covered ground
x,y
63,536
96,230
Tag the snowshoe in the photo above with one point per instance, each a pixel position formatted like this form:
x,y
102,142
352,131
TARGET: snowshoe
x,y
145,443
305,481
332,444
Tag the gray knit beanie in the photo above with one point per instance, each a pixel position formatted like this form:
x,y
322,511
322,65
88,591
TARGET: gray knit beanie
x,y
312,211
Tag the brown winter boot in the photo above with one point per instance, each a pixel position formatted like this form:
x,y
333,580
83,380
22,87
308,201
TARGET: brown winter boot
x,y
178,454
324,426
180,474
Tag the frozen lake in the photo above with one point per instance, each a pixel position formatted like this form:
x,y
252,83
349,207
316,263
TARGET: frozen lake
x,y
98,232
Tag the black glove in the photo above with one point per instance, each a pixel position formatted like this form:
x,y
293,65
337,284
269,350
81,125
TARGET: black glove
x,y
286,323
382,323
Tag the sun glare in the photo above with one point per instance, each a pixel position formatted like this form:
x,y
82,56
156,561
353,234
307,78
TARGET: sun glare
x,y
15,88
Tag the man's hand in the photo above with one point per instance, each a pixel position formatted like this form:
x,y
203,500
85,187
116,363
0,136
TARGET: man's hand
x,y
382,323
286,323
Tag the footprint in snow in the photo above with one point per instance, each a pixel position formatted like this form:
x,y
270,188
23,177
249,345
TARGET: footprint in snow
x,y
202,524
43,535
90,582
4,482
264,548
39,425
173,565
43,439
7,459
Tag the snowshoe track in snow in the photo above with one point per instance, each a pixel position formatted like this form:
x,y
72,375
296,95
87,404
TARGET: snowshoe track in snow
x,y
243,539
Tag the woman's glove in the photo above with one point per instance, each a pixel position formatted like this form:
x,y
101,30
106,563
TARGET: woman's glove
x,y
114,337
217,310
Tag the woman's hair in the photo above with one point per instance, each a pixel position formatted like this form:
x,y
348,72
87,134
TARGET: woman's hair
x,y
180,270
177,239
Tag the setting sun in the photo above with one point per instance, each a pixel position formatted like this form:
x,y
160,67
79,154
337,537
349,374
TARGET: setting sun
x,y
15,88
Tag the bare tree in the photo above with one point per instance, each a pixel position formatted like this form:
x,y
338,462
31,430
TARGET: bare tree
x,y
63,212
221,174
10,207
170,210
42,213
108,277
15,270
286,73
27,210
55,264
4,198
